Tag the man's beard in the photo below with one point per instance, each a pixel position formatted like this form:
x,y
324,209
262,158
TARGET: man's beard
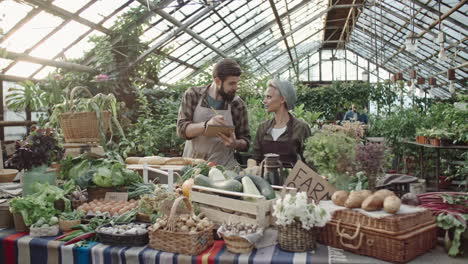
x,y
226,96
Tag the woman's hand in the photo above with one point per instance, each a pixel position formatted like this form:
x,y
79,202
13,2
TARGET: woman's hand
x,y
229,141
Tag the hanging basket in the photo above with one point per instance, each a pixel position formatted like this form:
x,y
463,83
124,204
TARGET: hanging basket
x,y
295,238
83,127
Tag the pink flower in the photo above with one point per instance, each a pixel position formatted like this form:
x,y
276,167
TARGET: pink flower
x,y
101,78
57,77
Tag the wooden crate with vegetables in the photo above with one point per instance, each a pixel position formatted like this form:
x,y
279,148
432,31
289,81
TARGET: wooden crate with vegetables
x,y
249,198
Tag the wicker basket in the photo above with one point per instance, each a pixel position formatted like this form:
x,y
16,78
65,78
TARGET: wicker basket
x,y
82,127
8,175
392,225
373,242
66,225
237,245
179,242
122,240
295,238
20,226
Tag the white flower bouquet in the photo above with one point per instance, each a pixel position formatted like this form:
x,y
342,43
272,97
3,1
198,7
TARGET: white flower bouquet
x,y
296,208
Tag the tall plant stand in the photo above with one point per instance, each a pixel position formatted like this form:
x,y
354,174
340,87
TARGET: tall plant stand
x,y
437,149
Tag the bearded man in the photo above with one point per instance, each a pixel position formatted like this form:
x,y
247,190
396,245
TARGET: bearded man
x,y
215,104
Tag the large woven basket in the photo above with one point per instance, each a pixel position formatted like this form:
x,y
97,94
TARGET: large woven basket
x,y
95,192
375,243
295,238
180,242
237,244
83,127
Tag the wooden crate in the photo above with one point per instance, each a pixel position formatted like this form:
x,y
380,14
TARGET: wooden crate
x,y
221,209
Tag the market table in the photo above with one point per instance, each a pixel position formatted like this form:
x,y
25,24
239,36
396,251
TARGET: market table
x,y
22,248
437,149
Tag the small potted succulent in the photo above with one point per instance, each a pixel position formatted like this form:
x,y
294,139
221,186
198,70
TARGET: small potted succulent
x,y
69,219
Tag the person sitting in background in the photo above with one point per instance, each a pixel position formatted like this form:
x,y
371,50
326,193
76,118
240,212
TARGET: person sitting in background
x,y
352,114
284,134
363,116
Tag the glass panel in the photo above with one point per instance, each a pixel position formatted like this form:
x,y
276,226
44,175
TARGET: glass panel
x,y
44,72
11,13
70,6
62,38
30,33
23,69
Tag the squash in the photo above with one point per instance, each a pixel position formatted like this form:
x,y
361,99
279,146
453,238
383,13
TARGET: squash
x,y
263,186
187,187
249,188
384,193
227,185
229,174
216,175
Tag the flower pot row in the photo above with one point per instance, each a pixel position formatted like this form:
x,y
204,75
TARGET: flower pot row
x,y
433,141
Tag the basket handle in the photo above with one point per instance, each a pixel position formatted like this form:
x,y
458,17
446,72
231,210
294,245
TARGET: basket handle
x,y
74,91
350,245
343,234
171,220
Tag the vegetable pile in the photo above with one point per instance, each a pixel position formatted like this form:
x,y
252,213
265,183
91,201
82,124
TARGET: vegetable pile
x,y
185,223
114,208
40,205
124,229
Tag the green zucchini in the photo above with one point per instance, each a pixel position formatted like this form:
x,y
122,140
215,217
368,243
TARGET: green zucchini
x,y
263,186
229,174
239,178
227,185
249,188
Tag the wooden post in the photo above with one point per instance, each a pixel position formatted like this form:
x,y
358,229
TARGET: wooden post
x,y
320,65
2,130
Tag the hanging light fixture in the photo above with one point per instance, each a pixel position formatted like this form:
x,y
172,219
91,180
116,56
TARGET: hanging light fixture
x,y
412,39
365,76
452,88
451,78
442,56
432,83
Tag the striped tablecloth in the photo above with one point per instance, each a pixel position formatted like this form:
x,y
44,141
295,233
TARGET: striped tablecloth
x,y
21,248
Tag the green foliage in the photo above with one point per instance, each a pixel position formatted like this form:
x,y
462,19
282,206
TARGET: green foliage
x,y
333,154
29,95
457,223
383,95
154,132
334,98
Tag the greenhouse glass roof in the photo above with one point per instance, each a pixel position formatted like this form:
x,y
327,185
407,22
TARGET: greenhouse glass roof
x,y
270,36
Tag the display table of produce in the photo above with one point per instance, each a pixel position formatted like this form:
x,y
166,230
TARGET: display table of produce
x,y
22,248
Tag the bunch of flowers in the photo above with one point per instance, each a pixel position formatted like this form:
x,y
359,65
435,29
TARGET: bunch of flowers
x,y
296,208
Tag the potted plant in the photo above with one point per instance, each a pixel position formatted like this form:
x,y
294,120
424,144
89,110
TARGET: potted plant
x,y
297,221
422,136
69,219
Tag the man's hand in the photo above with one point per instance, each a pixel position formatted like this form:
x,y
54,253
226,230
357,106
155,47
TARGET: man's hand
x,y
217,120
229,141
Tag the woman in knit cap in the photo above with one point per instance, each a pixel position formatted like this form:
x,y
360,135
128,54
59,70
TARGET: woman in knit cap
x,y
284,134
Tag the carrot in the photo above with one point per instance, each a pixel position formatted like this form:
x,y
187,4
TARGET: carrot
x,y
80,237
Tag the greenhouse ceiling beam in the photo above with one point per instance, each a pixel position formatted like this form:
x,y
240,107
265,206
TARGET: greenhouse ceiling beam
x,y
459,66
46,37
435,11
433,24
20,23
55,10
85,34
255,33
372,35
302,41
240,39
301,26
348,18
180,27
13,78
285,39
59,64
437,53
407,22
